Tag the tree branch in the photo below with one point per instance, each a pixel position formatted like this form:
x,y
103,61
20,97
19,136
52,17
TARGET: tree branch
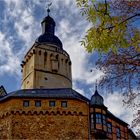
x,y
96,8
138,14
105,7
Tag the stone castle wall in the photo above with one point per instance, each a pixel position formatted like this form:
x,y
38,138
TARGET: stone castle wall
x,y
5,127
49,126
19,122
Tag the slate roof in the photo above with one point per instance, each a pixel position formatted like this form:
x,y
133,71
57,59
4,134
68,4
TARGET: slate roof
x,y
49,20
65,93
97,99
48,36
49,39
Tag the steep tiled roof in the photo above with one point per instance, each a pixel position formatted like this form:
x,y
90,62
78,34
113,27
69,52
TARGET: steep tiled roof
x,y
66,93
97,99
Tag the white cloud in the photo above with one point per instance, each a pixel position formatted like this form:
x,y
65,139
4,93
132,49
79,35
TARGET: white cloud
x,y
71,36
70,28
115,105
8,61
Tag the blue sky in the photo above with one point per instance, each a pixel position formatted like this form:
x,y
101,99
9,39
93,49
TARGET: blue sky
x,y
20,26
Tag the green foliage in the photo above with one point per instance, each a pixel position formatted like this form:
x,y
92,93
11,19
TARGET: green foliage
x,y
109,31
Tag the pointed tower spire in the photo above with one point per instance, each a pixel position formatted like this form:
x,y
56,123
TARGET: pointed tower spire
x,y
96,98
48,31
48,24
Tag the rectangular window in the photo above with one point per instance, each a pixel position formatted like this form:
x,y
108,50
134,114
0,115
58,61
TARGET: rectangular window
x,y
92,118
118,133
109,127
26,103
98,118
37,103
63,103
51,103
104,120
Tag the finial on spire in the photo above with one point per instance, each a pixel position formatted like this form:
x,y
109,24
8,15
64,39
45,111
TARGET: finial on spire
x,y
48,7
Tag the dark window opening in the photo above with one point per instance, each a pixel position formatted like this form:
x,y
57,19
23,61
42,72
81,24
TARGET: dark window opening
x,y
63,103
46,78
118,133
39,52
109,127
45,57
51,103
33,51
51,55
45,53
92,118
26,103
66,60
104,120
57,56
69,62
37,103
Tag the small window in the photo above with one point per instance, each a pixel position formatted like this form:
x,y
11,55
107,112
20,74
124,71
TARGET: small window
x,y
51,103
98,118
63,103
109,127
26,103
118,134
104,120
39,52
46,78
37,103
92,118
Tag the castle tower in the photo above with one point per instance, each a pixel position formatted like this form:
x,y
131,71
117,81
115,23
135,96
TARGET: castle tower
x,y
46,64
47,107
98,116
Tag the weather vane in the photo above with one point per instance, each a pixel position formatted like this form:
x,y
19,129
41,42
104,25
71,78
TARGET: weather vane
x,y
48,7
